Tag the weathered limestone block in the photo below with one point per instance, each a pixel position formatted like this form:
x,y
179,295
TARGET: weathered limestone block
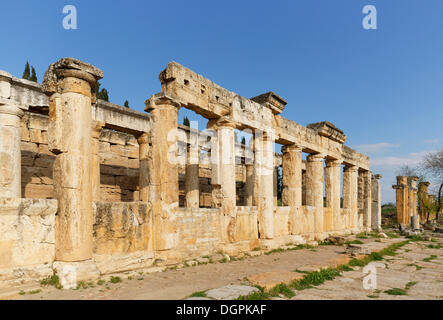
x,y
68,84
122,227
26,232
10,153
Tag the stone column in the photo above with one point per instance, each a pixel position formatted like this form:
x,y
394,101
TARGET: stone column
x,y
412,195
367,201
332,186
292,176
249,185
223,174
163,163
376,203
402,200
264,173
69,84
143,147
10,153
96,130
315,189
192,180
275,186
422,197
350,194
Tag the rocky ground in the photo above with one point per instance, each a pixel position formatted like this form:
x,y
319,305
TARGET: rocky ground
x,y
414,270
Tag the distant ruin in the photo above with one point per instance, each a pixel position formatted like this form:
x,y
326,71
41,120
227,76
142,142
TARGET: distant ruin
x,y
90,186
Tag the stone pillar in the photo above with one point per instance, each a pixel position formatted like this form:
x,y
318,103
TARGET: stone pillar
x,y
376,203
315,189
412,195
367,201
249,184
163,163
422,198
402,200
143,149
275,186
292,176
192,180
264,173
10,153
69,84
96,130
223,174
350,194
332,186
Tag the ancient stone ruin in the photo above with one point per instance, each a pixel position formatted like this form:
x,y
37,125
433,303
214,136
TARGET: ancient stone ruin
x,y
90,188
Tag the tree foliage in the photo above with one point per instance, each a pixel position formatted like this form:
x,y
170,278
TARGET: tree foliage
x,y
27,72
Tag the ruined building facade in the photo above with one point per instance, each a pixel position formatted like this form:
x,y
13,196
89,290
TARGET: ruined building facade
x,y
90,186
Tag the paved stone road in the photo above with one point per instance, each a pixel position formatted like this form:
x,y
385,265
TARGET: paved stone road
x,y
424,279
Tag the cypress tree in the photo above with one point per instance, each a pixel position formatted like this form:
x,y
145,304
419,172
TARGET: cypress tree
x,y
27,72
127,104
186,122
103,95
34,75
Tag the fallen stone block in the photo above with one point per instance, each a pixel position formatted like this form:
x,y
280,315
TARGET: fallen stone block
x,y
357,249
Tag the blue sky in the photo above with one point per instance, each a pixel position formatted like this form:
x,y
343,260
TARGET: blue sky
x,y
383,87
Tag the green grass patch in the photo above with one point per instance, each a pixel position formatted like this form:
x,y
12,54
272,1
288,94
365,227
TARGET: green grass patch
x,y
415,265
53,280
274,251
396,292
22,293
100,282
362,236
415,238
435,246
282,289
315,278
256,295
392,235
410,284
354,242
35,291
429,259
115,279
199,294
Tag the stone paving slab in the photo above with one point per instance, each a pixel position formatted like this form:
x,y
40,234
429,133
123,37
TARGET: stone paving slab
x,y
230,292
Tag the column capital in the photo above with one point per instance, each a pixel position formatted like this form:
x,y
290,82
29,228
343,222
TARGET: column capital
x,y
291,148
333,163
315,157
160,100
222,122
69,68
350,168
376,176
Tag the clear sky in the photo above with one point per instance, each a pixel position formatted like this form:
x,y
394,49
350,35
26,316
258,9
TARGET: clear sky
x,y
383,88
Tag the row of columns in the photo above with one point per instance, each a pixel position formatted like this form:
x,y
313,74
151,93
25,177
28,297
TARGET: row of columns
x,y
74,138
406,198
